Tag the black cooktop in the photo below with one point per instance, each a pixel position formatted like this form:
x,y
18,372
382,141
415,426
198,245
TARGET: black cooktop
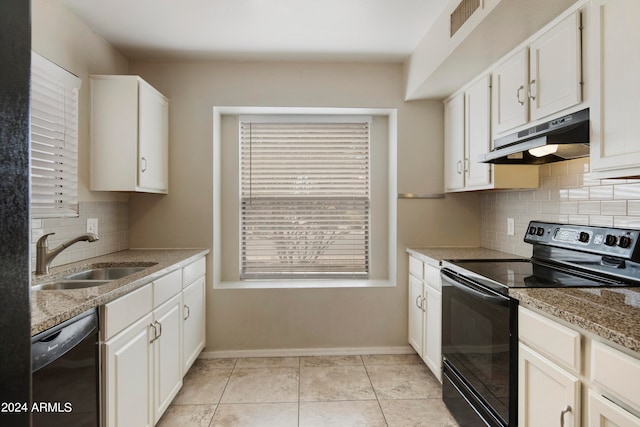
x,y
522,273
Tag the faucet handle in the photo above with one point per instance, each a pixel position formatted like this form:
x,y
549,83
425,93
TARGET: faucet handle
x,y
42,241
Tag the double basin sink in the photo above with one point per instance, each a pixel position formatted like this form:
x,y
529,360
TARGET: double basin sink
x,y
94,276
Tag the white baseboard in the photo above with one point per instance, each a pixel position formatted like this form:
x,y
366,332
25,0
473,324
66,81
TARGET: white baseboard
x,y
293,352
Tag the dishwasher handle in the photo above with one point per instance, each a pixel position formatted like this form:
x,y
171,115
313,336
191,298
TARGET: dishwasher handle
x,y
50,345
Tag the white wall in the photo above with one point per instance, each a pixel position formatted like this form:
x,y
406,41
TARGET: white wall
x,y
288,318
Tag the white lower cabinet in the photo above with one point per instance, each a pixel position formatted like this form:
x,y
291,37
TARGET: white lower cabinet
x,y
604,413
150,337
167,354
127,376
548,395
552,373
425,314
193,299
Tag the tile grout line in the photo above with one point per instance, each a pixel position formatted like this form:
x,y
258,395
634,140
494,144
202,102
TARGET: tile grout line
x,y
374,392
223,390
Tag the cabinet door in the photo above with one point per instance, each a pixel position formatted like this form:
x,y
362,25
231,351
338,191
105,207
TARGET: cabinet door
x,y
454,143
433,332
167,349
604,413
477,132
546,393
128,374
193,314
510,103
153,139
555,69
616,88
415,314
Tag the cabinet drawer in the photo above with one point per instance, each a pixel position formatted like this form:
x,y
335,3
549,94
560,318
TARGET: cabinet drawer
x,y
617,372
559,342
166,287
603,413
193,271
416,268
124,311
432,277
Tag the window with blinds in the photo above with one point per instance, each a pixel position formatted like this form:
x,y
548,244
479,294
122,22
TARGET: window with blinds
x,y
54,140
305,199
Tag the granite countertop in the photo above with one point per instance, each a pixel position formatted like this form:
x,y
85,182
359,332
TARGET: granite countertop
x,y
435,255
610,313
52,307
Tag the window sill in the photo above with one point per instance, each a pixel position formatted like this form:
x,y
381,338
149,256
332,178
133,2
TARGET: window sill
x,y
303,284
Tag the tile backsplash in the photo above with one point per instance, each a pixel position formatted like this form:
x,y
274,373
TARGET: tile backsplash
x,y
113,231
567,194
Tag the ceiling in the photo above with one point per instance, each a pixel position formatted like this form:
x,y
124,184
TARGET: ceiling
x,y
355,30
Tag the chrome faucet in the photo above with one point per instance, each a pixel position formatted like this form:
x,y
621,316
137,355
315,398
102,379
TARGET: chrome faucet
x,y
44,256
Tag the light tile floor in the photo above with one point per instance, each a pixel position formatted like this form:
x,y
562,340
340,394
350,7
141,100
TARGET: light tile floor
x,y
327,391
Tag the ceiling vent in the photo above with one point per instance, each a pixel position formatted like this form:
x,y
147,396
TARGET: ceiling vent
x,y
462,13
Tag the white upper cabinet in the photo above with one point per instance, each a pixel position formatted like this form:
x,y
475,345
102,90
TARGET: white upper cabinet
x,y
454,143
555,69
541,79
477,132
467,133
510,102
129,135
615,89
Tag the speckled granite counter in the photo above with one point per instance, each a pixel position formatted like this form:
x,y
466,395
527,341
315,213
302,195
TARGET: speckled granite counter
x,y
51,307
610,313
437,254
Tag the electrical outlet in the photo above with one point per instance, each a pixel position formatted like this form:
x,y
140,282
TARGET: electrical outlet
x,y
511,228
92,225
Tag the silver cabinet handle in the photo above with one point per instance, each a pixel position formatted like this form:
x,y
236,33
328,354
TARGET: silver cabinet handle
x,y
155,333
531,96
144,167
418,299
459,167
562,414
466,165
186,307
159,327
424,310
520,89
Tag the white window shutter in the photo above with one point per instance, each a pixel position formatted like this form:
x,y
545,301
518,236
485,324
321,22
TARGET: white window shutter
x,y
305,200
54,140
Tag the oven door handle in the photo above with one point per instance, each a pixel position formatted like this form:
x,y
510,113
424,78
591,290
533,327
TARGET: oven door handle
x,y
474,290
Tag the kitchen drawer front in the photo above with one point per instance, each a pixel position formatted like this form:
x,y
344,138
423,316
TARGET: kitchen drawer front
x,y
616,372
432,277
556,341
166,287
416,268
193,271
124,311
604,413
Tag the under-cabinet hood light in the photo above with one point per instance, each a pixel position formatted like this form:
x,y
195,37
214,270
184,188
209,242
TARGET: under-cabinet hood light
x,y
544,150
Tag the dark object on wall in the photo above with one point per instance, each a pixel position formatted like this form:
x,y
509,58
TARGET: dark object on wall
x,y
15,317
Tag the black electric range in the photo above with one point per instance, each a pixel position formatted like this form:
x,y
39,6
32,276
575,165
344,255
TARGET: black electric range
x,y
480,322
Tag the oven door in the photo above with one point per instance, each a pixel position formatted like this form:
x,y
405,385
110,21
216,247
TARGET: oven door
x,y
479,346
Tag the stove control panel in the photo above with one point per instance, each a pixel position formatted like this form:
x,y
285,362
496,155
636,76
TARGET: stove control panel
x,y
615,242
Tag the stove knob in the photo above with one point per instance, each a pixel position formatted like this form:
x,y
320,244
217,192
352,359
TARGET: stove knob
x,y
610,240
624,242
540,231
584,237
532,230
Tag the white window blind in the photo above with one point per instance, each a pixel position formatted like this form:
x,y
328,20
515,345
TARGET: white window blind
x,y
54,140
304,200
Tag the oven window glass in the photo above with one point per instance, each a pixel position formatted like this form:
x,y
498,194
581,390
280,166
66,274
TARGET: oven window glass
x,y
476,341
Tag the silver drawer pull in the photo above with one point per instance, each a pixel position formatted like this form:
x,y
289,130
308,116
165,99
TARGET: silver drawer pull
x,y
520,89
155,333
144,166
186,307
562,414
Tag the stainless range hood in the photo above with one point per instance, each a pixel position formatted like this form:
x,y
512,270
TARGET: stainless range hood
x,y
564,138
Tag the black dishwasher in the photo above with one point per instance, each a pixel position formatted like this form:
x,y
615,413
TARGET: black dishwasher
x,y
64,364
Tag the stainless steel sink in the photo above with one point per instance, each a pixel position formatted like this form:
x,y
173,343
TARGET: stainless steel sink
x,y
103,273
68,284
